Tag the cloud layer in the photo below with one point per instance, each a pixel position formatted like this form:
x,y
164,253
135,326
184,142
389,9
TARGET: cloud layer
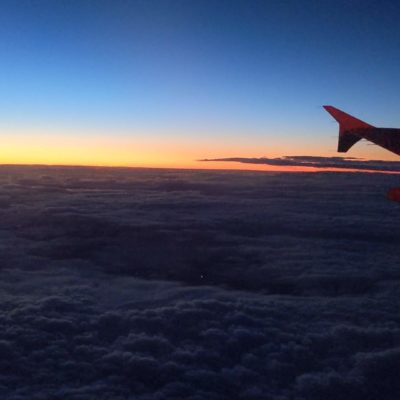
x,y
157,284
317,162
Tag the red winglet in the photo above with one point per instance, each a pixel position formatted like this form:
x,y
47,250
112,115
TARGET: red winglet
x,y
346,121
348,126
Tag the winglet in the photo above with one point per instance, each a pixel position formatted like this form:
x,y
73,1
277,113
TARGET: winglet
x,y
348,126
346,121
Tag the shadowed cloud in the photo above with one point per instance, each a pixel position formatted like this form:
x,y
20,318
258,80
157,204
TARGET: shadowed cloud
x,y
174,284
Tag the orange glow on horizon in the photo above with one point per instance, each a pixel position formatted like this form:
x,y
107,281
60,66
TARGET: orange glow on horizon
x,y
42,146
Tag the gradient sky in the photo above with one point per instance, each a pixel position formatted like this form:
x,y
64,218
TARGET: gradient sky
x,y
163,83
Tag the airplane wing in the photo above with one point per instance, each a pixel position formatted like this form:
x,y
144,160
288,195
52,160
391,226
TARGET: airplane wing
x,y
351,130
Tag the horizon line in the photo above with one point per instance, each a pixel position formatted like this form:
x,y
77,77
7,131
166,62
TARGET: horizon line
x,y
279,169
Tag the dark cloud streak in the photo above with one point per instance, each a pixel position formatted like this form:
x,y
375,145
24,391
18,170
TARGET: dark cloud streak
x,y
317,162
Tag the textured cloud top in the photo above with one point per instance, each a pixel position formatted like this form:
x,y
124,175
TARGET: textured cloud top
x,y
173,284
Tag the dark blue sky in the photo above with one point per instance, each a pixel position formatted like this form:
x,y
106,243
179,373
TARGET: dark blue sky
x,y
240,69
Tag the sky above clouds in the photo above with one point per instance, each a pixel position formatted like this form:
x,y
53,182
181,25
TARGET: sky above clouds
x,y
164,83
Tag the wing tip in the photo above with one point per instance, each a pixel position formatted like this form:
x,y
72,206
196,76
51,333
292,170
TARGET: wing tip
x,y
328,108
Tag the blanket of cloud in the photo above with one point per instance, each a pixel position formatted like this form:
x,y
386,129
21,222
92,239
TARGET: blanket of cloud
x,y
317,162
203,285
